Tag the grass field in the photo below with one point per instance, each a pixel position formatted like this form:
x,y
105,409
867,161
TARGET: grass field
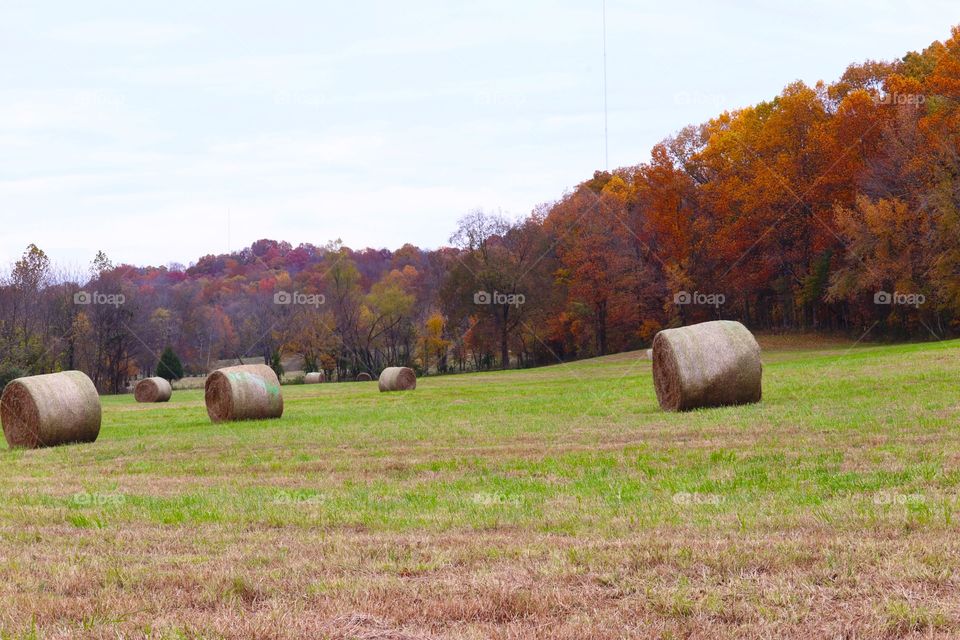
x,y
553,503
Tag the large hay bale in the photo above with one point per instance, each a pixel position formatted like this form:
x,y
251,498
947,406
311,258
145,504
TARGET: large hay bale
x,y
152,390
711,364
244,392
364,377
314,378
398,379
52,409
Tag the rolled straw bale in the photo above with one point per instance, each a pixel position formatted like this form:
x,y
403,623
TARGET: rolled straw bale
x,y
364,377
52,409
398,379
152,390
314,378
710,364
244,392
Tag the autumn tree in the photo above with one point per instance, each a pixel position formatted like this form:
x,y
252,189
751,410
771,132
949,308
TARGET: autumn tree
x,y
494,277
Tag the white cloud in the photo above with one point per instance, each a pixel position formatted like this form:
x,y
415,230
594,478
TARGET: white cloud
x,y
81,109
121,33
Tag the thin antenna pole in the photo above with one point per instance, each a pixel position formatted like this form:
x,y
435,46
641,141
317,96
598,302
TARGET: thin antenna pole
x,y
606,135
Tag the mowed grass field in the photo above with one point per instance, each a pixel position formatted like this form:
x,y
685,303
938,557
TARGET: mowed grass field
x,y
548,503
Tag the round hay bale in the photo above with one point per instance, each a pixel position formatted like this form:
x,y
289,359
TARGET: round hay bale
x,y
398,379
244,392
152,390
52,409
314,378
364,377
712,364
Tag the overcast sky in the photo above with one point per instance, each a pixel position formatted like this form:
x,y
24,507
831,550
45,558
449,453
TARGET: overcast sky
x,y
135,127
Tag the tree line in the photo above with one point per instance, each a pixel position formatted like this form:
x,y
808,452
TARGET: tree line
x,y
832,208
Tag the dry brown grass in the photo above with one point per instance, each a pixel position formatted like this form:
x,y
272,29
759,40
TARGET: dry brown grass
x,y
277,583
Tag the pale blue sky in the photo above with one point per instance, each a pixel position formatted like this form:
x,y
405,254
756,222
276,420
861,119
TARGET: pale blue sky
x,y
134,127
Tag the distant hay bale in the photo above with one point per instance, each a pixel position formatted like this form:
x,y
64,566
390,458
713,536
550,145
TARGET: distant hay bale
x,y
364,377
711,364
648,354
52,409
244,392
398,379
152,390
314,378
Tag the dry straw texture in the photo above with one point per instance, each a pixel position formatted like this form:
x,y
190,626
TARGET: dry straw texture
x,y
711,364
398,379
152,390
244,392
364,377
314,378
47,410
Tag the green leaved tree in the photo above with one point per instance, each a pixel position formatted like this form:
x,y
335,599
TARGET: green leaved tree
x,y
169,366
